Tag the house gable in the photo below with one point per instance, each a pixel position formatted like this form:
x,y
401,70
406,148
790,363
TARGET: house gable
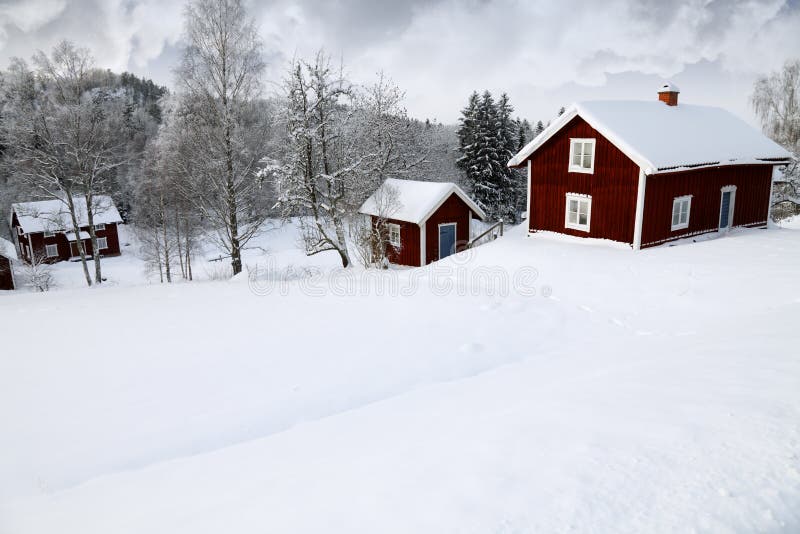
x,y
612,186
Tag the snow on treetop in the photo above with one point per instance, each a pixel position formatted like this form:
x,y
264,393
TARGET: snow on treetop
x,y
669,87
661,138
53,215
413,201
7,249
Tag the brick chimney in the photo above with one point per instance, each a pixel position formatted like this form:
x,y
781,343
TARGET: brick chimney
x,y
669,94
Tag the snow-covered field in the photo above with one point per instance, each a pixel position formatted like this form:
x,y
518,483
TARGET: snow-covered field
x,y
633,392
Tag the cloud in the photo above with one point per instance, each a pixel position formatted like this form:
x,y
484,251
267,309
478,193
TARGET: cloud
x,y
440,50
122,35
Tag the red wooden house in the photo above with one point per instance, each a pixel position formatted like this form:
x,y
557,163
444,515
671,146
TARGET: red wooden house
x,y
44,229
645,173
8,254
427,221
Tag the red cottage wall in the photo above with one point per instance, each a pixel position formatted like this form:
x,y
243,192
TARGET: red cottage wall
x,y
613,186
6,277
408,254
751,207
453,210
39,242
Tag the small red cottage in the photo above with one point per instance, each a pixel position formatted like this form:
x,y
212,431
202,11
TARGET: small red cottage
x,y
427,221
8,253
645,173
45,229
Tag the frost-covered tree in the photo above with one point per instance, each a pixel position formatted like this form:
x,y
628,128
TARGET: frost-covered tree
x,y
392,144
323,160
62,135
776,100
227,127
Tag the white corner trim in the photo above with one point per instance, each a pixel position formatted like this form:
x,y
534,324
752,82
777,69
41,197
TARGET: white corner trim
x,y
422,244
771,189
528,219
639,220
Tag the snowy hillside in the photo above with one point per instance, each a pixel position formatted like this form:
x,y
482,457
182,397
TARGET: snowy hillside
x,y
633,392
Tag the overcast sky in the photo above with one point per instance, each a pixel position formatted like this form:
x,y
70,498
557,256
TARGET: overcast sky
x,y
544,53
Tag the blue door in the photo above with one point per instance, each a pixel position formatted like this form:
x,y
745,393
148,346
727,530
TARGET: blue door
x,y
447,240
725,210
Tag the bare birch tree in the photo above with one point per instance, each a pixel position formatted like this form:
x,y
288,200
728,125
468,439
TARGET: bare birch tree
x,y
776,101
219,81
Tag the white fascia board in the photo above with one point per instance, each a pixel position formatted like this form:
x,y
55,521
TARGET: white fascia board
x,y
573,111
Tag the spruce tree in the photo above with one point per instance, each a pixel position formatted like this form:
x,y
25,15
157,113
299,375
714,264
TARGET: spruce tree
x,y
467,137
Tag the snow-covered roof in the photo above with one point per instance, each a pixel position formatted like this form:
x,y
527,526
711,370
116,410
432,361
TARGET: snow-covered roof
x,y
53,216
416,201
661,138
7,249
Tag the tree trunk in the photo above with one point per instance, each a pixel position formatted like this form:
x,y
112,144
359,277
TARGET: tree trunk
x,y
166,242
236,254
178,242
98,275
76,228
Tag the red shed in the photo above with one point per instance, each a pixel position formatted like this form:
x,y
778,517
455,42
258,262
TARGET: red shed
x,y
645,173
427,221
44,228
8,253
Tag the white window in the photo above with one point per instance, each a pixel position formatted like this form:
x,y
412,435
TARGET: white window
x,y
99,227
581,155
394,234
102,243
681,207
579,211
52,251
49,234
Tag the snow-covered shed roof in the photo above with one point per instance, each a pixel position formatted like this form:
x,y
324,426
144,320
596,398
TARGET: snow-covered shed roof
x,y
53,216
415,201
661,138
7,249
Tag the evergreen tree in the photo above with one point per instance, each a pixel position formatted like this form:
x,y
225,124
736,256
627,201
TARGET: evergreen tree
x,y
467,135
488,138
539,128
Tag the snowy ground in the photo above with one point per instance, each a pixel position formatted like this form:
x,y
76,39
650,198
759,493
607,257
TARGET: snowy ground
x,y
649,392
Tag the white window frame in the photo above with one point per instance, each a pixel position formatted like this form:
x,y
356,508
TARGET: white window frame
x,y
99,227
49,234
573,142
20,231
48,249
392,228
102,243
677,202
577,225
